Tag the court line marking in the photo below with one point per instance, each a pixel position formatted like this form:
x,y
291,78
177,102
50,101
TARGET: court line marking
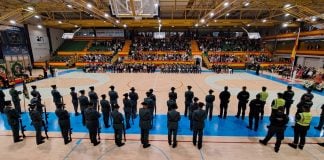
x,y
109,150
159,149
201,155
74,147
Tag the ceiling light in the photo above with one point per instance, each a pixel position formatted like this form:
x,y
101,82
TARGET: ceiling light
x,y
248,25
106,15
125,25
30,8
226,4
172,26
196,25
117,21
76,26
69,6
299,19
37,16
287,14
160,25
156,5
264,20
91,15
211,14
105,21
89,5
215,20
285,25
12,22
314,19
207,25
60,22
287,5
159,20
202,21
39,26
246,4
227,14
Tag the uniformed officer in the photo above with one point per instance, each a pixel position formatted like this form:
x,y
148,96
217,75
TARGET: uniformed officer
x,y
276,103
105,109
255,107
288,96
150,104
113,95
210,103
127,109
57,98
37,122
189,95
35,100
321,121
243,98
264,96
75,100
308,94
93,97
302,124
198,117
153,97
92,123
278,122
15,98
13,120
145,124
133,98
84,101
170,102
193,106
173,95
305,102
2,101
224,97
64,122
118,125
173,120
34,91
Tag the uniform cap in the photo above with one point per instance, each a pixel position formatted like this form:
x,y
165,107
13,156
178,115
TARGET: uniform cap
x,y
81,91
211,91
151,90
196,99
144,103
115,106
32,105
200,104
132,89
112,87
103,96
91,87
7,103
53,86
126,94
172,88
33,87
72,88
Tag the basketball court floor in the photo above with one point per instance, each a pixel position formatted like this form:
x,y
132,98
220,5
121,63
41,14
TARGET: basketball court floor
x,y
223,139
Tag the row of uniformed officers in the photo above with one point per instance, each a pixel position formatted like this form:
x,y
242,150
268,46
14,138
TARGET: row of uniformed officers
x,y
90,115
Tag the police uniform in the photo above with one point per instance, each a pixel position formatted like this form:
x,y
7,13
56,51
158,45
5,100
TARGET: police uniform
x,y
307,103
84,101
64,122
278,122
288,97
243,98
321,121
198,117
2,101
264,96
75,100
15,99
308,94
13,120
92,123
133,96
34,91
224,97
118,125
145,124
105,109
193,106
93,97
276,103
57,98
150,104
153,97
170,102
173,95
173,120
210,104
113,95
37,102
255,107
127,109
37,122
302,124
189,95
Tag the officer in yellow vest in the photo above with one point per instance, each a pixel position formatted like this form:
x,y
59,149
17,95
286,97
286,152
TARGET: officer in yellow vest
x,y
263,97
303,120
276,103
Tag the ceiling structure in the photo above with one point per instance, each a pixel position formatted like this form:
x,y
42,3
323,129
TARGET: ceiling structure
x,y
68,14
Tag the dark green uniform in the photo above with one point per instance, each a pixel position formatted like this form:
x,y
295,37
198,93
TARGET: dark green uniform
x,y
105,109
39,106
133,96
145,125
57,98
189,95
210,105
75,101
37,122
35,92
192,108
113,95
84,101
288,97
153,97
198,118
243,98
173,95
93,98
15,99
224,97
173,120
127,111
170,102
150,104
13,120
64,123
118,125
92,123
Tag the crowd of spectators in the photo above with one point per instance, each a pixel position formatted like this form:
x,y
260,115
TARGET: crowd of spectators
x,y
180,68
229,44
221,69
160,57
167,44
302,72
97,58
113,45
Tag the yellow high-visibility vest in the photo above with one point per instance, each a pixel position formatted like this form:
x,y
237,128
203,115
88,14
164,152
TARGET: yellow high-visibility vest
x,y
279,102
305,119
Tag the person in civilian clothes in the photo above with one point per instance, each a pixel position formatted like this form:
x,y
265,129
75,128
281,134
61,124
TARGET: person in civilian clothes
x,y
198,117
173,122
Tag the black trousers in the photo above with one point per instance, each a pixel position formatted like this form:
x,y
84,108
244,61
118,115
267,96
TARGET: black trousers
x,y
209,109
93,134
241,107
145,136
187,104
38,129
278,131
118,136
172,136
17,106
75,106
254,117
300,133
65,133
287,107
134,108
105,115
127,117
223,109
262,109
15,132
83,117
321,122
198,132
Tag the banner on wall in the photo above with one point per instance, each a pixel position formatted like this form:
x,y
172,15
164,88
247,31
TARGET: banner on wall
x,y
14,49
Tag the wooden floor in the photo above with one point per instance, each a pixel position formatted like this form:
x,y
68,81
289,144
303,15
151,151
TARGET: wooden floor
x,y
214,147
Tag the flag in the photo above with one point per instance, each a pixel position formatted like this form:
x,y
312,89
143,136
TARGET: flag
x,y
293,53
25,90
